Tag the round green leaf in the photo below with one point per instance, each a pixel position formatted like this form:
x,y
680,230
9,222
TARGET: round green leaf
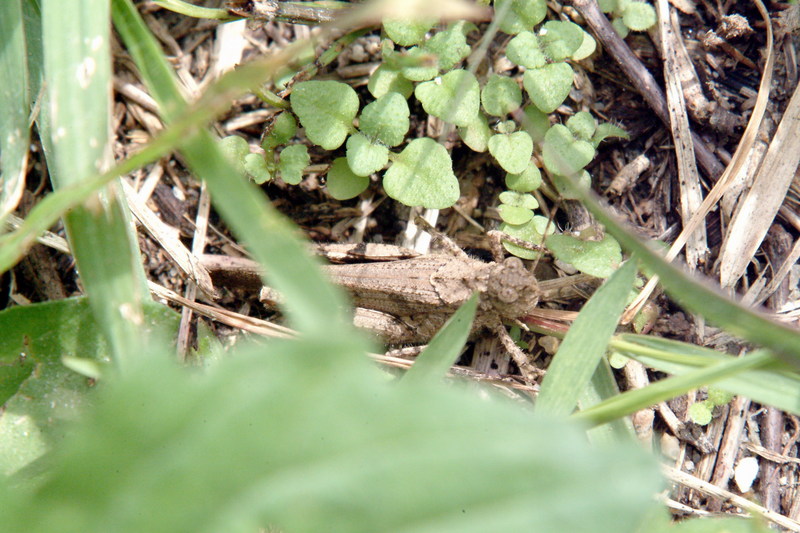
x,y
326,110
638,16
365,157
512,214
531,231
256,168
422,175
419,65
563,154
560,39
535,123
529,180
582,125
407,32
386,119
619,26
454,98
501,95
293,160
386,79
519,15
596,258
477,134
518,199
284,128
548,86
587,47
341,183
451,45
700,413
513,151
525,50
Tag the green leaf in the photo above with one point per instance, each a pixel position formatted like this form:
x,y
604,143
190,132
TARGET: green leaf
x,y
38,393
563,154
386,79
581,180
619,26
560,39
419,64
582,125
293,160
407,32
518,199
525,50
514,215
519,15
548,86
606,130
235,149
342,183
455,97
535,123
501,95
529,180
326,110
450,45
512,151
532,232
365,157
283,129
422,175
596,258
256,168
607,6
638,16
584,346
243,448
587,47
700,413
477,134
386,119
445,347
719,396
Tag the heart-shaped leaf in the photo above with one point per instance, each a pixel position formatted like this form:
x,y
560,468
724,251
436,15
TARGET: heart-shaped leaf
x,y
596,258
419,64
560,39
454,98
407,32
386,119
582,125
638,16
386,79
512,214
535,123
512,151
293,160
501,95
563,154
529,180
365,157
422,175
519,15
525,50
477,134
518,199
451,45
548,86
342,183
326,110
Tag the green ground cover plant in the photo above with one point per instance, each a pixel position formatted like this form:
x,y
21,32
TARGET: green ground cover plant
x,y
102,430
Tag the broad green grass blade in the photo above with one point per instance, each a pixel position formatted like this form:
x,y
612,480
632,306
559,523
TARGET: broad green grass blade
x,y
312,304
75,129
273,440
585,343
699,297
777,385
444,348
631,401
15,106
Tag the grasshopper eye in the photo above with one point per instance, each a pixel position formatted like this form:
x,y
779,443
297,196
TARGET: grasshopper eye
x,y
507,295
